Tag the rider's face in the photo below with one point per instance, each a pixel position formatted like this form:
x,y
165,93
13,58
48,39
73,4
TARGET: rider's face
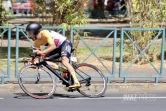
x,y
31,35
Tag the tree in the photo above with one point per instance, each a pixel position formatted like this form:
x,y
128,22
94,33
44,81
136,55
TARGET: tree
x,y
62,12
3,12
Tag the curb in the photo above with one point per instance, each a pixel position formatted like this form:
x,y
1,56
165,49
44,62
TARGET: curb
x,y
111,88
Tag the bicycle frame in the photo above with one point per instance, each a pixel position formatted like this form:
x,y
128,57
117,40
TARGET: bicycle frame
x,y
43,62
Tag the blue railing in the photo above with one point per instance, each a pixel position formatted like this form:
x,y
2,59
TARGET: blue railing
x,y
112,32
21,11
158,72
5,73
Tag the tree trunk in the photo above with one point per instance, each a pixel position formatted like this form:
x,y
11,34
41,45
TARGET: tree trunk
x,y
1,12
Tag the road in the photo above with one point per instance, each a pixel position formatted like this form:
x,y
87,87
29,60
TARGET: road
x,y
151,101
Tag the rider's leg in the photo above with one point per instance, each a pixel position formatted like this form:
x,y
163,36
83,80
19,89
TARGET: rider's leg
x,y
55,66
71,70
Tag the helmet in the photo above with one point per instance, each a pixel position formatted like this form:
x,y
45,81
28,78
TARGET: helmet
x,y
34,27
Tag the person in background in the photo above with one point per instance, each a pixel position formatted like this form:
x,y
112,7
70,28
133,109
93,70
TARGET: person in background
x,y
110,5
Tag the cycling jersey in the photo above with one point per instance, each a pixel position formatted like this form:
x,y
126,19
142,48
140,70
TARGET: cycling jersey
x,y
58,38
63,46
48,38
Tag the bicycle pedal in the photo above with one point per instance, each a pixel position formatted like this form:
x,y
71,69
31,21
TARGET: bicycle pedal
x,y
73,89
69,89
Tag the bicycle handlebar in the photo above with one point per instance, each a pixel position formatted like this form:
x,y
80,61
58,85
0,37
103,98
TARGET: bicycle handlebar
x,y
35,55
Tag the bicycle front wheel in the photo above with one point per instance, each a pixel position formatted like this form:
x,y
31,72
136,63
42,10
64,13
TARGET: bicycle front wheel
x,y
36,81
92,80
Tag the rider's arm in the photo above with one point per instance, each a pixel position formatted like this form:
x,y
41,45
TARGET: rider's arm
x,y
45,34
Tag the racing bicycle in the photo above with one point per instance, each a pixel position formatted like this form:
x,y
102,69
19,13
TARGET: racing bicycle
x,y
38,80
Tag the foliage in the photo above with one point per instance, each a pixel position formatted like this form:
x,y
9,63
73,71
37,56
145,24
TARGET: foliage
x,y
62,12
145,14
3,14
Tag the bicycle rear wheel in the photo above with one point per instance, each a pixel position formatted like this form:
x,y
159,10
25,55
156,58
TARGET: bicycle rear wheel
x,y
92,80
37,82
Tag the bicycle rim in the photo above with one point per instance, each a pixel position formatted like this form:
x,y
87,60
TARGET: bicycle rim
x,y
96,85
27,79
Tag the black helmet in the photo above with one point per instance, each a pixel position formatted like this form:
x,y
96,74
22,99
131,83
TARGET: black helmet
x,y
34,27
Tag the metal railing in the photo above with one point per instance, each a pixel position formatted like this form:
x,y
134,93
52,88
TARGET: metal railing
x,y
158,72
5,73
111,31
112,34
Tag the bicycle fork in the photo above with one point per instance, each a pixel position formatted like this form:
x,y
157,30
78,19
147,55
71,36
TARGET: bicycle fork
x,y
37,76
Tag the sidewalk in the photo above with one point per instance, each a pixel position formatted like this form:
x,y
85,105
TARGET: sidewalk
x,y
115,86
108,23
24,20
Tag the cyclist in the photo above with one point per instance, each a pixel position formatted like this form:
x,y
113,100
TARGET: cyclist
x,y
53,41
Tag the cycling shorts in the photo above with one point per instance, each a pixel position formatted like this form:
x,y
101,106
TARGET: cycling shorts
x,y
63,50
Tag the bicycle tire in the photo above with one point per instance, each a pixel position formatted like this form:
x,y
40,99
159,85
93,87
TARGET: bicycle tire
x,y
97,82
42,89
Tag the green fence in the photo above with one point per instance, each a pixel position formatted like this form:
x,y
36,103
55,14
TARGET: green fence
x,y
100,46
5,36
158,71
110,35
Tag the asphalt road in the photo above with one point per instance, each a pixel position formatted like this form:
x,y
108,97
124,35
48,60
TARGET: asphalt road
x,y
66,102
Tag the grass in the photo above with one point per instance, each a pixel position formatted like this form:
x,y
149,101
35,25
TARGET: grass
x,y
100,50
104,53
23,52
156,49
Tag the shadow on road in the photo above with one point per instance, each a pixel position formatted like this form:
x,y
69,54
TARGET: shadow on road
x,y
56,95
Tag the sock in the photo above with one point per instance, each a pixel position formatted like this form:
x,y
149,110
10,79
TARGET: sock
x,y
74,77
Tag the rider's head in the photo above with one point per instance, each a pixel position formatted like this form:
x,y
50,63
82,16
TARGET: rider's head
x,y
32,30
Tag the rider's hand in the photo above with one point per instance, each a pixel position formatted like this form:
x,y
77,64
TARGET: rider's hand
x,y
37,52
33,61
30,61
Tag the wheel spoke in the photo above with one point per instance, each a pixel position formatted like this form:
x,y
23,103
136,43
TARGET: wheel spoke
x,y
35,84
93,82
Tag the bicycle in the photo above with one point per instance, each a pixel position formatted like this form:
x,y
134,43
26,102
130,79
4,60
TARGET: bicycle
x,y
40,76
